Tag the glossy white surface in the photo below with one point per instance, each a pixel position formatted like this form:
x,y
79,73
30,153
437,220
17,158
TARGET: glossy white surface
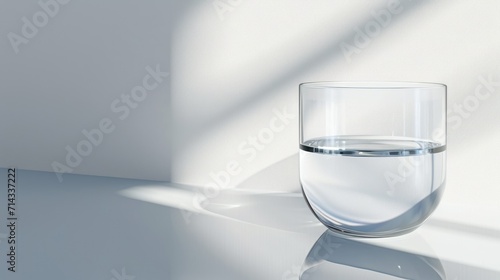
x,y
102,228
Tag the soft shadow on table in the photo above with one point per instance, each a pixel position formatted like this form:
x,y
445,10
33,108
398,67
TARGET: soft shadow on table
x,y
335,255
285,211
271,198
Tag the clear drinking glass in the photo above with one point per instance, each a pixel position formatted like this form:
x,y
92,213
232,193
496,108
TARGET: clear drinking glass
x,y
372,155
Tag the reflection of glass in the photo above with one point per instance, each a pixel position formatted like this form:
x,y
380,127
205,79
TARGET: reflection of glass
x,y
372,155
333,256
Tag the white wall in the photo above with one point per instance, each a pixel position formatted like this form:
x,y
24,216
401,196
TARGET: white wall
x,y
62,77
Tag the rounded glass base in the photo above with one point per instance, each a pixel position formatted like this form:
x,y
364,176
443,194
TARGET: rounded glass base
x,y
402,224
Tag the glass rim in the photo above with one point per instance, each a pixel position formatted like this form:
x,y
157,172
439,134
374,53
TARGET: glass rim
x,y
372,85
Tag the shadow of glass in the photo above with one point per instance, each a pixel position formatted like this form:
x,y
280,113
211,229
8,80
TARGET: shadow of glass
x,y
281,176
285,211
270,198
333,255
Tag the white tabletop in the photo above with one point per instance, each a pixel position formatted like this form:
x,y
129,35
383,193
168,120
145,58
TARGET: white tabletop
x,y
108,228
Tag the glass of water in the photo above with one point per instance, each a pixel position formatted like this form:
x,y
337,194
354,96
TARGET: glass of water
x,y
372,155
